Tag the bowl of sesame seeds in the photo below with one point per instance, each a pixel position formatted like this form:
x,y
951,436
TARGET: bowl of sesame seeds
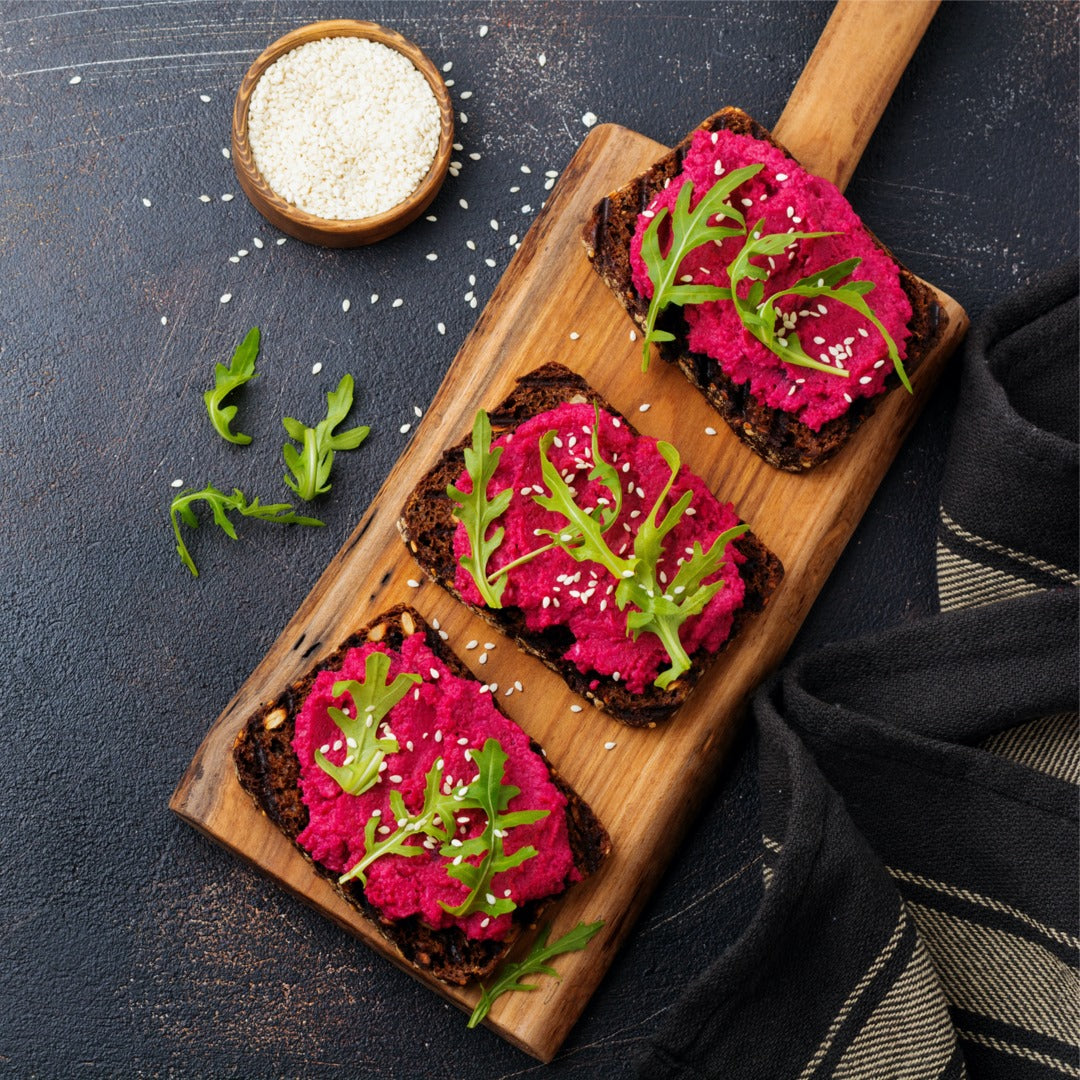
x,y
342,133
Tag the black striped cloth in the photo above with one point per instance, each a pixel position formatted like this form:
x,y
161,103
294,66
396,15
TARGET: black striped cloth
x,y
919,788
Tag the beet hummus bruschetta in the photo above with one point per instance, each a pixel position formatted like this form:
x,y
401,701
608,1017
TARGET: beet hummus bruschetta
x,y
397,775
590,545
759,280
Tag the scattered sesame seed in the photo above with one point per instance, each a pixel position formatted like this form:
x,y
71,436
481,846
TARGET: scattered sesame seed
x,y
316,368
205,198
710,431
413,583
575,708
643,408
257,242
448,65
164,320
227,197
494,224
404,429
177,483
513,237
226,297
472,644
463,117
225,152
633,335
471,245
431,256
463,203
74,80
146,202
489,262
346,304
542,59
242,252
374,297
574,335
418,412
489,645
609,746
588,119
398,302
483,30
441,327
281,240
449,82
483,658
864,380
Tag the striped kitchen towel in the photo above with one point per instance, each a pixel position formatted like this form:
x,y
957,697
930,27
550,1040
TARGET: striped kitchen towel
x,y
919,788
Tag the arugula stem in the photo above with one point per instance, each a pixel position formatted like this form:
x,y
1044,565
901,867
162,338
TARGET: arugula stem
x,y
520,561
680,661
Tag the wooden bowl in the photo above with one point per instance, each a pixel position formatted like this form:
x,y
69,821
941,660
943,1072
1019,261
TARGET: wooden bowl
x,y
330,232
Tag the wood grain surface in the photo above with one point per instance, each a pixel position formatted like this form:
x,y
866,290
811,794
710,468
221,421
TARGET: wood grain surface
x,y
646,789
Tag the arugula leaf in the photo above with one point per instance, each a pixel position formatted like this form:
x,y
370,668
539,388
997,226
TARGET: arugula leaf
x,y
477,512
311,464
759,316
241,369
535,963
488,793
372,700
689,230
660,610
437,807
222,505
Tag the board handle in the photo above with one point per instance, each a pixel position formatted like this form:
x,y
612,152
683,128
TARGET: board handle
x,y
848,81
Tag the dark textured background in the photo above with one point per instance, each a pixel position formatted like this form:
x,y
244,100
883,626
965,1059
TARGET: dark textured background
x,y
129,945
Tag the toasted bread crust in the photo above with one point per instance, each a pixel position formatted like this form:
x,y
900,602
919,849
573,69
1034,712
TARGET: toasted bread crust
x,y
428,526
269,771
779,437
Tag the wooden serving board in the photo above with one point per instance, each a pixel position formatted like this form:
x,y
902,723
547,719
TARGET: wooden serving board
x,y
648,788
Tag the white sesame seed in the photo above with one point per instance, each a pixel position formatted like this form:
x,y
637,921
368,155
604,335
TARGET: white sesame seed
x,y
281,240
472,644
633,335
398,302
177,483
242,252
316,368
346,304
413,583
642,408
865,379
463,117
146,202
575,708
205,198
404,429
418,412
226,297
483,658
164,320
257,242
463,203
588,119
609,746
441,327
470,244
374,297
489,645
710,431
483,30
494,224
489,262
74,80
227,197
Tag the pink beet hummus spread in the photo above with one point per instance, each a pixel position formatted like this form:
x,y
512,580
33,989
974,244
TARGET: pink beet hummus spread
x,y
788,198
556,590
448,717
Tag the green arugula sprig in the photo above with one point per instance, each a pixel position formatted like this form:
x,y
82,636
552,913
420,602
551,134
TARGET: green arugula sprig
x,y
241,369
222,505
759,316
488,793
438,807
535,963
659,609
372,699
689,230
477,512
310,465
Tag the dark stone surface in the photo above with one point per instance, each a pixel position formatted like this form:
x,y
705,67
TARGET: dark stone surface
x,y
130,945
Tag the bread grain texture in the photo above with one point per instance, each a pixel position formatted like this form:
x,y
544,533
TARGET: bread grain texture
x,y
427,525
269,771
779,437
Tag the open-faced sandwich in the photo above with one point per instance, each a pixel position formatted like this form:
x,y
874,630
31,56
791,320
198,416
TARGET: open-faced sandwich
x,y
761,283
397,775
590,545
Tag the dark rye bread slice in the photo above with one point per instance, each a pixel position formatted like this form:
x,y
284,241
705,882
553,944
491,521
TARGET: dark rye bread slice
x,y
779,437
269,771
428,526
